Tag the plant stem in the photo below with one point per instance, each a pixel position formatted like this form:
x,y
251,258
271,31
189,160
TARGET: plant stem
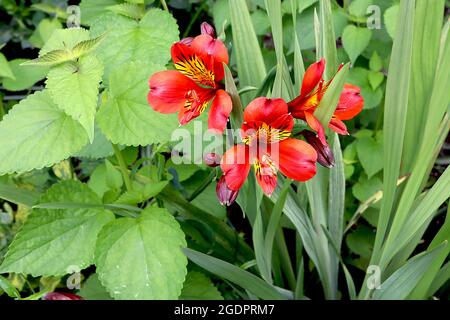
x,y
123,167
194,18
164,4
203,186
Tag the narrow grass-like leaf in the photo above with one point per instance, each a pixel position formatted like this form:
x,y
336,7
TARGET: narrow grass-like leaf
x,y
441,278
330,99
258,244
395,108
249,58
234,274
400,284
237,114
328,38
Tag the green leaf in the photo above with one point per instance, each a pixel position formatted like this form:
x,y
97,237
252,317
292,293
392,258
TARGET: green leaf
x,y
361,240
74,88
24,76
330,99
226,270
86,46
370,154
54,241
8,287
37,134
50,58
64,39
355,40
99,148
126,118
5,70
129,10
92,289
375,79
197,286
250,63
400,284
358,8
375,62
141,258
142,193
127,40
43,32
92,10
390,19
18,195
395,109
365,188
113,176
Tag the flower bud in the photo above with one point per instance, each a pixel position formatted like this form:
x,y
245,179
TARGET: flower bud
x,y
225,195
324,154
187,41
206,28
61,296
211,159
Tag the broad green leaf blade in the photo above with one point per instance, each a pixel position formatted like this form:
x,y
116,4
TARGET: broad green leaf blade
x,y
141,194
127,40
18,195
54,242
51,58
441,278
99,148
395,109
428,20
141,258
74,88
400,284
258,243
226,270
92,10
330,99
126,117
86,46
37,134
24,76
64,39
92,289
355,40
5,69
250,63
198,286
133,11
44,31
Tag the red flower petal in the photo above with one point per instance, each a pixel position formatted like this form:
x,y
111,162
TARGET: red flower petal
x,y
206,28
235,165
195,64
266,174
296,159
316,126
219,111
350,102
168,91
337,126
312,77
265,110
61,296
206,45
196,102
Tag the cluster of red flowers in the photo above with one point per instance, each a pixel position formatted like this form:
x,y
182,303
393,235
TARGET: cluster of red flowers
x,y
268,123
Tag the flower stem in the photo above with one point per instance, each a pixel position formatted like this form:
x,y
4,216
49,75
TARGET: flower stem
x,y
123,167
164,4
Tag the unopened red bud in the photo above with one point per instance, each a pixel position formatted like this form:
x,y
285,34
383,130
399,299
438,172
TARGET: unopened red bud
x,y
212,159
61,296
206,28
324,154
187,41
225,195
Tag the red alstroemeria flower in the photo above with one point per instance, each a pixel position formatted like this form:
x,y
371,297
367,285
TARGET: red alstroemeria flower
x,y
313,88
195,83
267,146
